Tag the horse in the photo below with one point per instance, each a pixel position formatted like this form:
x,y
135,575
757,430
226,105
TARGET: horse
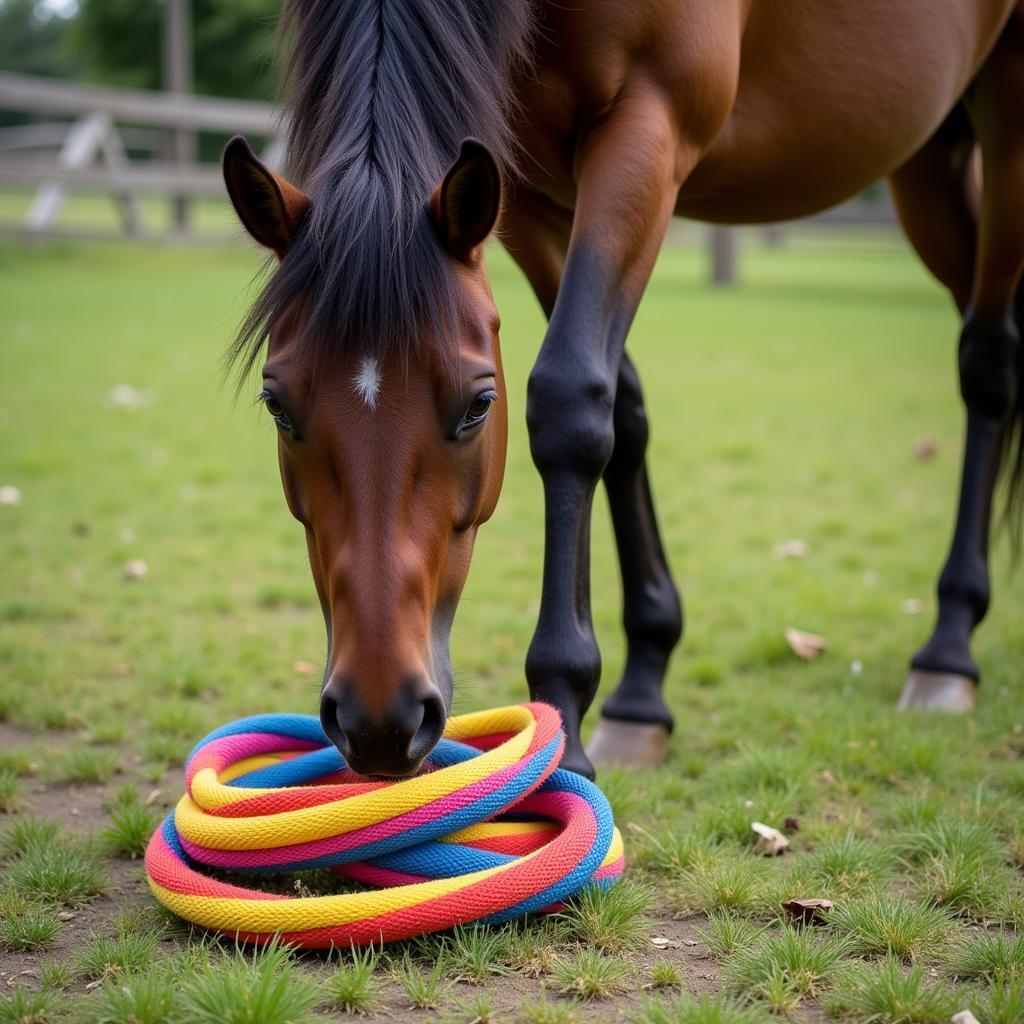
x,y
575,132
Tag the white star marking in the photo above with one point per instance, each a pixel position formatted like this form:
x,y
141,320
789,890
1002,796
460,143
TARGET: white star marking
x,y
367,381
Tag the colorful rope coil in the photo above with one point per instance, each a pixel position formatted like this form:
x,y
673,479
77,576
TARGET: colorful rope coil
x,y
491,829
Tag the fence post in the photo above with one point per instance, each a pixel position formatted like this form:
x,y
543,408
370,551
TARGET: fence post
x,y
177,56
723,256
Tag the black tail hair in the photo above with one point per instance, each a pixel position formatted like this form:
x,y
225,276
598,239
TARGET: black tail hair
x,y
1012,454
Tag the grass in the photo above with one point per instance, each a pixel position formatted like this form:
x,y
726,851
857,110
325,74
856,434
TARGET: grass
x,y
988,956
22,1006
881,924
612,920
106,956
351,987
47,865
1002,1003
131,825
791,963
425,990
591,975
703,1009
140,998
726,934
891,994
786,409
25,927
544,1010
85,764
665,976
10,790
266,987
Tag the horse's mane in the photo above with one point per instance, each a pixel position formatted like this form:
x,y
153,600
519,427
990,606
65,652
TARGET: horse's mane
x,y
381,94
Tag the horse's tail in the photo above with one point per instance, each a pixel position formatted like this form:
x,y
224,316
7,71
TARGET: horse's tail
x,y
1012,454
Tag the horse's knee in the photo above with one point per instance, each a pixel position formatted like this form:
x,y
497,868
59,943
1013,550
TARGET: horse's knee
x,y
570,419
988,358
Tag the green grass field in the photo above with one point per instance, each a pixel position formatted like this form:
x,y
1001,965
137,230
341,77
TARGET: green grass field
x,y
786,409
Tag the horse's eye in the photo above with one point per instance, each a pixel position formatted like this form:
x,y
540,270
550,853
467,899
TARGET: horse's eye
x,y
275,408
477,411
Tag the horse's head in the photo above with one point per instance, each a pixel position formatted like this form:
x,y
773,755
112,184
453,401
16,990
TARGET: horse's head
x,y
390,459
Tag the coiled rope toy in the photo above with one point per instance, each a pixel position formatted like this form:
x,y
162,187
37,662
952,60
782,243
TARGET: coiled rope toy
x,y
491,830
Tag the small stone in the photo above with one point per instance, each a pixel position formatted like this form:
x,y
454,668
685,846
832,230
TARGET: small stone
x,y
136,569
963,1017
67,915
10,495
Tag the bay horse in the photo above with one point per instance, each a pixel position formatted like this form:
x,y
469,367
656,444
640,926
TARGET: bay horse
x,y
578,130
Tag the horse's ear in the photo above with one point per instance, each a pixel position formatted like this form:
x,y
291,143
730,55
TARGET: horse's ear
x,y
269,207
467,203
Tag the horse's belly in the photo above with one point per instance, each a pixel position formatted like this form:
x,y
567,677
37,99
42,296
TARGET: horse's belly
x,y
833,95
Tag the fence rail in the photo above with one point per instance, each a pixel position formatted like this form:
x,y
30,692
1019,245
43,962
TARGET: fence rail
x,y
89,151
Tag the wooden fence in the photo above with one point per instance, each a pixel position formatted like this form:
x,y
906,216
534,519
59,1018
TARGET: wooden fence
x,y
89,147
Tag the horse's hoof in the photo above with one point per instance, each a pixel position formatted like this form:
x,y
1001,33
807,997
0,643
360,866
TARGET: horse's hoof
x,y
632,744
937,691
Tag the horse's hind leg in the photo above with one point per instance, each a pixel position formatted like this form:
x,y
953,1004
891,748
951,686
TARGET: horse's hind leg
x,y
635,721
943,673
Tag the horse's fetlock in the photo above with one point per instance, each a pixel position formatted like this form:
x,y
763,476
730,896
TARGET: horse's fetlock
x,y
967,584
557,662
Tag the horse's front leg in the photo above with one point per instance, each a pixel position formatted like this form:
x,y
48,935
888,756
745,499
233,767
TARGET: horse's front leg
x,y
628,175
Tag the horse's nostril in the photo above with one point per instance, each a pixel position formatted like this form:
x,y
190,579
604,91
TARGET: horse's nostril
x,y
430,728
330,722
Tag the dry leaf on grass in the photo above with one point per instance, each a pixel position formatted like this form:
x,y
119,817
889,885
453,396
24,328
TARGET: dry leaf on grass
x,y
770,841
807,646
303,668
926,448
807,911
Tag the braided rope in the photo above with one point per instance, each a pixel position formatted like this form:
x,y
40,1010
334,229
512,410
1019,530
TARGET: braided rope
x,y
270,793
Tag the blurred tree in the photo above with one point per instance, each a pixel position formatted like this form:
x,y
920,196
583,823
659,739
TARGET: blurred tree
x,y
119,44
34,40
